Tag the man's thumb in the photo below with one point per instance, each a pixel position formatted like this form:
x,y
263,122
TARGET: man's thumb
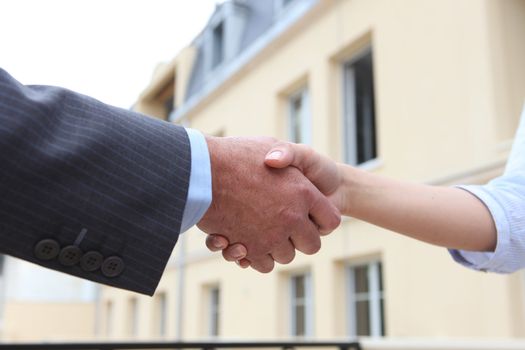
x,y
279,157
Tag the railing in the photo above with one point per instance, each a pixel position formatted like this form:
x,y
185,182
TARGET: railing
x,y
183,345
441,344
363,344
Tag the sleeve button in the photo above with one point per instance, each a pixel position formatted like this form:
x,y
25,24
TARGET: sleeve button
x,y
91,261
112,266
70,255
46,249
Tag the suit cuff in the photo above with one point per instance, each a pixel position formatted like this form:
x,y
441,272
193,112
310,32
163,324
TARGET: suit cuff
x,y
200,190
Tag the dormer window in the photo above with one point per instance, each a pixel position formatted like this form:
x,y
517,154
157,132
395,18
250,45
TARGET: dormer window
x,y
282,5
218,44
222,38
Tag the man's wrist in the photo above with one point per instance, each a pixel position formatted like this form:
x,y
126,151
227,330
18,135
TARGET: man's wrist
x,y
214,151
200,186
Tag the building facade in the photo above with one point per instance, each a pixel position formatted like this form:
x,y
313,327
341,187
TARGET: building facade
x,y
41,305
428,91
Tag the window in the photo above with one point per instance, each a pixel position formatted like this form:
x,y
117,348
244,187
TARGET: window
x,y
160,314
214,317
301,305
299,130
162,102
218,44
133,317
109,318
281,5
366,300
359,110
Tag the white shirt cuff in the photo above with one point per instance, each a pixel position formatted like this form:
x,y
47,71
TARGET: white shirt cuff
x,y
200,187
496,261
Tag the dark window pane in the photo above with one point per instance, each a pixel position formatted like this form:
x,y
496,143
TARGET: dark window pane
x,y
162,314
297,112
300,320
168,106
299,287
361,279
359,123
218,44
382,317
365,109
380,271
215,311
362,317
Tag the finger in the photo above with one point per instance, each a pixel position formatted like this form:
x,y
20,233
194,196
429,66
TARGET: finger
x,y
243,263
234,252
216,242
324,214
263,264
320,170
284,253
306,239
281,155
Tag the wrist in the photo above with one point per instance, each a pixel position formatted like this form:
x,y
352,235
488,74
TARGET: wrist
x,y
214,150
353,182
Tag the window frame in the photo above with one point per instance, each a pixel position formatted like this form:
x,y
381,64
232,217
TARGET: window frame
x,y
110,315
214,311
161,314
375,295
308,305
216,48
349,117
133,321
305,118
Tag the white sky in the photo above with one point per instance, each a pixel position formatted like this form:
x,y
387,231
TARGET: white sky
x,y
107,49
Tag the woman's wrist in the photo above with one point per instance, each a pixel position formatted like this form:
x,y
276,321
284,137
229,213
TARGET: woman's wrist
x,y
347,193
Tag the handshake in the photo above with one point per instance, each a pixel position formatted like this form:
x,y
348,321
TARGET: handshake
x,y
269,199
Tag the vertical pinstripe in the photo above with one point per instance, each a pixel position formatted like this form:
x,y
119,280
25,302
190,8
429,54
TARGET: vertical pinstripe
x,y
69,162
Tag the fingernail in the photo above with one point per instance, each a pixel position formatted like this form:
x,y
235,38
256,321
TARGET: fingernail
x,y
275,155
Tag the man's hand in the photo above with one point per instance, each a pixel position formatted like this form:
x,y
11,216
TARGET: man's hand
x,y
271,212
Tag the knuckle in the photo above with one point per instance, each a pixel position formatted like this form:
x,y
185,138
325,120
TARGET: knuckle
x,y
306,150
334,222
313,247
264,268
304,191
288,259
227,255
289,216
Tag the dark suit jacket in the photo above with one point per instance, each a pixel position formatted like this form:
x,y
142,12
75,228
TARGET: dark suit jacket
x,y
88,189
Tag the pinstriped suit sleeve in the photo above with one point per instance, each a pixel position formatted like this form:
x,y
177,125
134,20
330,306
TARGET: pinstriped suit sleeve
x,y
92,176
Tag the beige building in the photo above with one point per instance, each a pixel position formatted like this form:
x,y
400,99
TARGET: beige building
x,y
424,90
42,305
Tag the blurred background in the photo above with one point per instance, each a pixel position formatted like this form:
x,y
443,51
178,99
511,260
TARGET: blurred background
x,y
428,91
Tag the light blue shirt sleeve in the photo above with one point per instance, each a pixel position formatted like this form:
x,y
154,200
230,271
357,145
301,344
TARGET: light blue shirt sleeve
x,y
505,199
200,188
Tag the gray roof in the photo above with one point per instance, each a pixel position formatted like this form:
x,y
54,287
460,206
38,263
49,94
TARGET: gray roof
x,y
260,16
251,25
